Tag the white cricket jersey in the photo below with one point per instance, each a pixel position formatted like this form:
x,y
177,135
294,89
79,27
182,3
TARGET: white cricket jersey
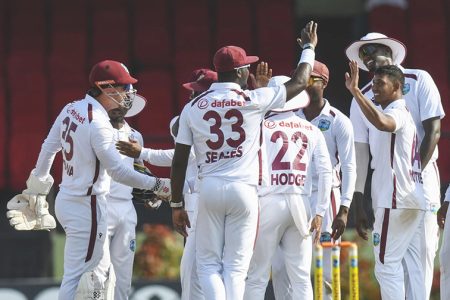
x,y
86,137
422,99
397,179
338,132
119,191
290,147
223,125
163,158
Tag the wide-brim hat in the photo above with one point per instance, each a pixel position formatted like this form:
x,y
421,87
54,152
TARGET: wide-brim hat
x,y
138,105
299,101
397,47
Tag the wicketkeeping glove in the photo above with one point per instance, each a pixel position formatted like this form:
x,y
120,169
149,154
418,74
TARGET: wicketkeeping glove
x,y
148,197
29,212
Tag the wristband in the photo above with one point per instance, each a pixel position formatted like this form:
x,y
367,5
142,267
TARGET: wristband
x,y
176,204
308,56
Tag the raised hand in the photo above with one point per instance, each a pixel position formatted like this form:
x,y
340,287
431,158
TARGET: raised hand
x,y
308,35
263,74
352,79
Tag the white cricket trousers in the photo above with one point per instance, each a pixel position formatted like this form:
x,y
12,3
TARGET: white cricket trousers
x,y
190,284
122,221
281,285
226,230
432,193
445,260
278,228
84,219
397,239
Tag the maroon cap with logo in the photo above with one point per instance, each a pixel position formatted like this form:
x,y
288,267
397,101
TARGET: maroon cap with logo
x,y
232,57
320,70
110,71
201,80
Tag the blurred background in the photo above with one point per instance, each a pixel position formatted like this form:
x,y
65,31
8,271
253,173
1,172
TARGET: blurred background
x,y
47,48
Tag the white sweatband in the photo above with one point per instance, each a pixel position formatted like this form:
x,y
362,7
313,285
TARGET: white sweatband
x,y
308,56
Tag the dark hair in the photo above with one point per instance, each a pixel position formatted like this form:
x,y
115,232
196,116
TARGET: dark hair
x,y
393,73
94,92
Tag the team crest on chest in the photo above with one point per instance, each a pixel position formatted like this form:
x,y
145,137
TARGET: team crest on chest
x,y
376,238
324,125
133,245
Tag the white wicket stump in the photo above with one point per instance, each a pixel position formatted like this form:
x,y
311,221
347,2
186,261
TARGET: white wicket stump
x,y
336,270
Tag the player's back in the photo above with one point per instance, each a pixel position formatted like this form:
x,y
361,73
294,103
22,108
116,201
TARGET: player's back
x,y
225,124
82,173
287,152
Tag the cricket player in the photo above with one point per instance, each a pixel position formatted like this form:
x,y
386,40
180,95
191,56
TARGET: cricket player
x,y
338,132
201,80
84,134
424,103
122,218
397,190
290,146
223,125
443,215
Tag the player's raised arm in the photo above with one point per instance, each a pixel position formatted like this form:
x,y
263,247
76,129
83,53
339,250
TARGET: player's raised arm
x,y
380,120
299,80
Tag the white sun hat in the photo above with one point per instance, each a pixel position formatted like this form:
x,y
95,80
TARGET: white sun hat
x,y
299,101
397,47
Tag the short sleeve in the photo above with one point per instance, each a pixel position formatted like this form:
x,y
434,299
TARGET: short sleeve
x,y
399,116
429,98
360,129
184,131
269,98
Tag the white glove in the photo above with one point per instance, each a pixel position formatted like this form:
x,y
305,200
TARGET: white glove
x,y
163,191
39,186
21,212
44,220
29,212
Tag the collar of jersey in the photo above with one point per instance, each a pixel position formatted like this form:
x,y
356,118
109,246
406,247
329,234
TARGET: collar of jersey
x,y
396,103
96,105
324,112
225,85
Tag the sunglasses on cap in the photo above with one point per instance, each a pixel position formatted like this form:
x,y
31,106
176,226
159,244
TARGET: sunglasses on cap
x,y
314,79
242,67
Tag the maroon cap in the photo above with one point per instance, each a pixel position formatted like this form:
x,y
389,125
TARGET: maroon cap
x,y
110,71
232,57
320,70
201,80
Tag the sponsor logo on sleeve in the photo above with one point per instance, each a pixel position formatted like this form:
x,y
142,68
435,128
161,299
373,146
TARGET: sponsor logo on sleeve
x,y
376,239
133,245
